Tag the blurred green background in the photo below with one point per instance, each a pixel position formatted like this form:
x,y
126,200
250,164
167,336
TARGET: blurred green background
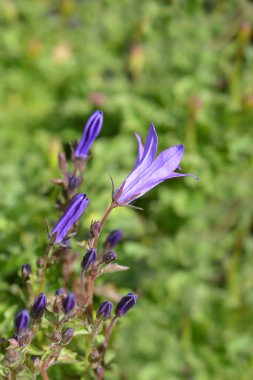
x,y
186,66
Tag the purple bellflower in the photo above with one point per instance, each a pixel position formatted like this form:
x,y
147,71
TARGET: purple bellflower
x,y
126,303
104,310
90,133
39,306
149,171
70,216
22,321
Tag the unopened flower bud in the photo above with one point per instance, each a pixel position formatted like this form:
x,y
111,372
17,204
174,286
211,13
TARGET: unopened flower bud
x,y
26,271
90,133
73,181
57,337
22,321
126,303
89,259
69,303
95,229
104,311
72,213
40,262
39,306
114,238
109,256
67,335
61,291
57,306
94,357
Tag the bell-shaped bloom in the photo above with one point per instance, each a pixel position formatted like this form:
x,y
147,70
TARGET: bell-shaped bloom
x,y
149,170
69,303
39,306
113,238
125,304
69,217
89,259
90,133
104,310
22,321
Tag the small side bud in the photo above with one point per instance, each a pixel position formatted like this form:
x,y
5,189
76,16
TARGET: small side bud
x,y
94,357
57,337
67,336
26,271
61,291
125,304
39,306
40,262
113,239
95,229
89,259
69,303
109,256
73,181
104,311
57,306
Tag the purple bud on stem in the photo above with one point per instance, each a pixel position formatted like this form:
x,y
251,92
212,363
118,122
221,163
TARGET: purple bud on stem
x,y
126,303
22,321
39,306
69,303
104,310
89,259
109,256
90,133
67,335
114,238
26,271
72,213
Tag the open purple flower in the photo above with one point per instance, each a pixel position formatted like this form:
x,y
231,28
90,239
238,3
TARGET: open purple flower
x,y
70,216
90,133
149,171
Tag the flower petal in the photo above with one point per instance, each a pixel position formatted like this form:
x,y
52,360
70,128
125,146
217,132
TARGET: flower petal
x,y
140,150
145,162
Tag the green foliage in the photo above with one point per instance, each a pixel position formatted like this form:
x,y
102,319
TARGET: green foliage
x,y
187,67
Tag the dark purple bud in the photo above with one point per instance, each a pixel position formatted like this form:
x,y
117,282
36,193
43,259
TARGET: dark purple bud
x,y
104,310
90,133
69,303
26,271
61,291
126,303
39,306
73,181
67,335
22,321
89,259
109,256
114,238
70,216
